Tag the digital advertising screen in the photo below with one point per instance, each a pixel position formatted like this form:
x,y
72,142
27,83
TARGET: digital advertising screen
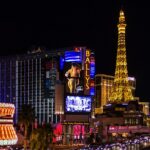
x,y
72,56
78,104
73,77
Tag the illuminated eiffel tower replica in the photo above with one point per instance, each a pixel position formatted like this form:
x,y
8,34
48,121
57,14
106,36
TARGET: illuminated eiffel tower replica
x,y
121,91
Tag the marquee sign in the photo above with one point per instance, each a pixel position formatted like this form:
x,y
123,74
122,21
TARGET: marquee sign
x,y
87,72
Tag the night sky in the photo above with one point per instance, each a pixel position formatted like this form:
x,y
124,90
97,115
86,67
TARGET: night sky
x,y
60,24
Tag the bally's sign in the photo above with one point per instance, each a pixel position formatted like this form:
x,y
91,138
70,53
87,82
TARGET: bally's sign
x,y
87,72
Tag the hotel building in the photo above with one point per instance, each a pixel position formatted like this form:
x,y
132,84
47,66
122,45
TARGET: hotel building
x,y
30,79
103,89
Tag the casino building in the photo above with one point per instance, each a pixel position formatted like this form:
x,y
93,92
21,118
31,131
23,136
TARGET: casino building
x,y
31,78
103,89
122,114
75,94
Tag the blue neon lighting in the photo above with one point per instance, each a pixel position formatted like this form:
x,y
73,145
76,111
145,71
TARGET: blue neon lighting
x,y
92,91
72,56
92,70
75,104
61,63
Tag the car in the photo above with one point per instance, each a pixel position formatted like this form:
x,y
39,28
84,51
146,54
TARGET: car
x,y
93,146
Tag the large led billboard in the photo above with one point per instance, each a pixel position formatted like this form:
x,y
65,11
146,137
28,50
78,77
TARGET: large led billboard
x,y
72,56
73,78
75,104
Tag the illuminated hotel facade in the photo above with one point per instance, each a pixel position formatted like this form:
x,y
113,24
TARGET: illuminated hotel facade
x,y
30,79
103,88
25,79
74,103
117,108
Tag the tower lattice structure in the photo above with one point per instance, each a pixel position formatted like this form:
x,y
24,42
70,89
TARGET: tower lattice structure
x,y
121,91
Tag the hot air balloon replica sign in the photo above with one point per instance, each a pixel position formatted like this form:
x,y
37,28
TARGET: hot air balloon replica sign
x,y
7,132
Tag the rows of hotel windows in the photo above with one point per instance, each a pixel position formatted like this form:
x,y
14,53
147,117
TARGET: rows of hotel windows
x,y
103,88
7,73
24,82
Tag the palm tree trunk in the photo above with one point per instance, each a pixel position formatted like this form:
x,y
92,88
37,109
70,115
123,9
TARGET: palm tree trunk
x,y
25,135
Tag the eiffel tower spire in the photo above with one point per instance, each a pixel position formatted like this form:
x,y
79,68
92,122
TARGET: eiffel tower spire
x,y
121,91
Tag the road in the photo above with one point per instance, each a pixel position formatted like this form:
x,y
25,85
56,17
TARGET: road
x,y
147,148
66,147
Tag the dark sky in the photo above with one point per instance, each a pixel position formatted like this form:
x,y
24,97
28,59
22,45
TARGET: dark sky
x,y
60,24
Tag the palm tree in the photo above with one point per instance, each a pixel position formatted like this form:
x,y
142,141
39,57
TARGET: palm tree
x,y
41,137
34,145
26,117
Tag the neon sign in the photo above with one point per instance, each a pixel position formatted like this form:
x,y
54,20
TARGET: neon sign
x,y
92,74
8,134
87,71
72,56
